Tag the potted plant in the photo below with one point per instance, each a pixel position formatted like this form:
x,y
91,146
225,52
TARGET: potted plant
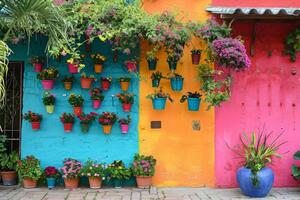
x,y
156,77
196,56
8,164
194,99
48,76
49,102
68,81
159,99
295,168
95,172
86,120
124,124
29,171
76,100
152,60
172,61
37,62
124,83
143,168
68,120
105,82
97,97
98,62
71,173
75,63
35,120
107,119
118,173
131,65
86,81
126,99
176,81
255,179
51,174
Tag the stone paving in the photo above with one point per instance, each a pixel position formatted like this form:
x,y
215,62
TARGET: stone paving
x,y
16,193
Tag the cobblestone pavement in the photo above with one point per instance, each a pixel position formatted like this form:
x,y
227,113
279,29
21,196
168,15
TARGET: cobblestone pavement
x,y
16,193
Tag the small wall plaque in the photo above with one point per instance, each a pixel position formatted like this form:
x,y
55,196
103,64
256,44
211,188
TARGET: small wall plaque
x,y
155,124
196,125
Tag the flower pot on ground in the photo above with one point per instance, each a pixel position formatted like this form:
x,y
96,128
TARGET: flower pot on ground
x,y
124,83
86,81
159,99
124,124
86,120
37,62
193,100
35,120
8,164
126,99
49,101
98,62
74,64
176,81
156,77
131,65
68,81
97,97
47,77
105,82
68,120
107,119
71,173
296,168
196,56
94,171
172,62
118,172
29,171
76,100
51,174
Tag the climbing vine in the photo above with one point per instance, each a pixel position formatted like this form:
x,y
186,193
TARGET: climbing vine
x,y
292,44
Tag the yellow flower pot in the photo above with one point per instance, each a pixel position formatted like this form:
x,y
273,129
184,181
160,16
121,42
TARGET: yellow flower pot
x,y
68,85
124,85
50,109
98,68
106,129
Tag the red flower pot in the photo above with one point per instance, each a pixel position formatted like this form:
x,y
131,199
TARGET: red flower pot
x,y
35,126
73,68
105,85
48,84
126,107
86,83
131,66
38,67
96,103
77,110
196,59
68,127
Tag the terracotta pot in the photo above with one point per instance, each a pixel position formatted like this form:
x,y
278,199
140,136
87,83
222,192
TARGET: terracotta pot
x,y
96,103
29,183
124,85
73,68
9,178
95,182
77,110
126,107
196,59
35,126
68,127
38,67
105,85
48,84
86,83
106,129
71,183
68,85
144,181
98,68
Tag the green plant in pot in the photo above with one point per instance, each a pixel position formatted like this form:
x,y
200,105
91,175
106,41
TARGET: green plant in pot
x,y
196,56
176,81
68,81
151,59
76,100
118,173
295,168
29,171
193,99
86,120
95,172
49,102
159,99
156,77
8,164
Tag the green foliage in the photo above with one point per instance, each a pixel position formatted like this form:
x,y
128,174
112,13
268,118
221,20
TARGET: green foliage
x,y
3,140
37,59
8,161
127,98
190,95
50,73
29,167
117,170
159,94
4,53
93,169
68,79
292,44
143,165
75,100
124,79
48,99
295,168
32,117
157,75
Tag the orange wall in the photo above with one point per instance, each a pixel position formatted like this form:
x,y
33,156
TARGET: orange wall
x,y
184,157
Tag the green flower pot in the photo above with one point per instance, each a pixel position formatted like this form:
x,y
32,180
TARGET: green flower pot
x,y
85,128
118,183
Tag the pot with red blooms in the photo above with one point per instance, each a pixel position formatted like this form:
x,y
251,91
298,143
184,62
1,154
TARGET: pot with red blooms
x,y
105,82
47,77
51,174
143,168
97,97
107,120
76,100
124,124
126,99
35,120
86,120
95,172
68,120
71,172
37,62
86,81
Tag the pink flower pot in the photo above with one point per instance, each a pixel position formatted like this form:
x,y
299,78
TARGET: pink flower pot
x,y
38,67
73,68
48,84
131,66
96,103
124,128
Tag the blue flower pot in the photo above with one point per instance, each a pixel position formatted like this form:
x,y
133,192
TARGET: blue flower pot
x,y
155,82
265,182
193,104
118,183
51,182
176,83
152,64
159,103
172,65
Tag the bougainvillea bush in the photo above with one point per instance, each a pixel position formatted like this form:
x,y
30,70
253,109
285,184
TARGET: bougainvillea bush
x,y
71,168
143,165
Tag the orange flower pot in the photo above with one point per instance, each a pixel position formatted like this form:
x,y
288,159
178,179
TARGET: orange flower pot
x,y
68,85
29,183
98,68
124,85
106,129
95,182
71,183
144,181
77,110
9,177
86,83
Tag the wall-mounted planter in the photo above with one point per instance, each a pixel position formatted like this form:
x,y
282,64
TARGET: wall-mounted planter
x,y
106,129
155,82
77,110
38,67
124,85
159,103
115,56
35,126
68,85
131,66
98,68
50,109
84,127
86,83
96,103
124,128
126,107
73,68
196,59
152,64
68,127
172,65
176,83
193,104
105,84
48,84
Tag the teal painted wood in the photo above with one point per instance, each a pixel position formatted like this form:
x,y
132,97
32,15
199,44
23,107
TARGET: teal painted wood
x,y
51,144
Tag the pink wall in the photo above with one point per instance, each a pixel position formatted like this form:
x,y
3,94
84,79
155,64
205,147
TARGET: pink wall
x,y
257,3
267,94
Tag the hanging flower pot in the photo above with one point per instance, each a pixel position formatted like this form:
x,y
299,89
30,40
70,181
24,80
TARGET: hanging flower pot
x,y
38,67
96,103
124,128
68,81
152,64
176,82
172,65
193,99
124,83
95,182
35,126
49,101
68,120
29,183
48,84
126,107
73,68
106,129
37,62
68,127
156,77
86,120
124,124
76,101
155,82
196,56
68,85
71,183
131,65
50,109
98,68
126,99
84,127
47,77
34,118
97,97
159,103
77,110
107,119
86,82
105,82
98,62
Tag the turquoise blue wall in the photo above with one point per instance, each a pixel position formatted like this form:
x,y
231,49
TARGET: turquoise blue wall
x,y
51,144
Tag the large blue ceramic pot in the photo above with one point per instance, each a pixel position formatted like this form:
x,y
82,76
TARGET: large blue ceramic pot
x,y
176,83
159,103
51,182
265,182
193,104
152,64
